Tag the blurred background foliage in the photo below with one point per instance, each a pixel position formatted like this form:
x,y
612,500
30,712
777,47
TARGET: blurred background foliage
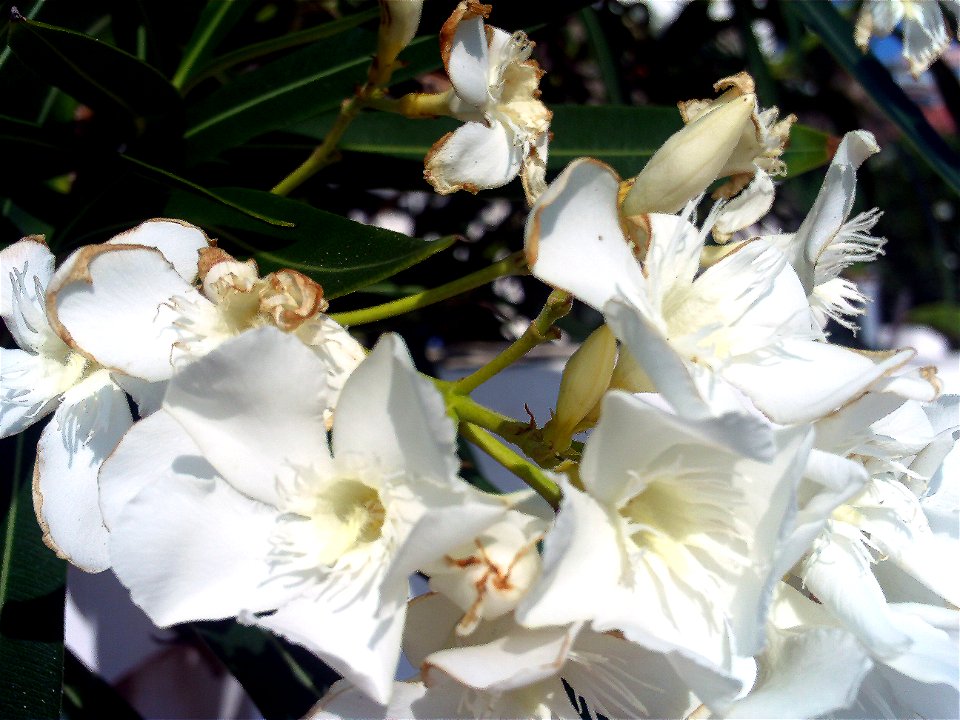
x,y
115,111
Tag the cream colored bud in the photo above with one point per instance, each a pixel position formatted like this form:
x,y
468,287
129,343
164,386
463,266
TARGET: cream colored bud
x,y
585,379
629,375
399,20
690,159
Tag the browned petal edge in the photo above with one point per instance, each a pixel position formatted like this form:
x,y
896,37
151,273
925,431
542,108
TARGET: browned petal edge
x,y
117,239
38,508
209,257
929,373
444,188
531,236
733,185
464,11
742,82
76,268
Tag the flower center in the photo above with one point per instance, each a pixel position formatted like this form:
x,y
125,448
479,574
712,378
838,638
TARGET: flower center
x,y
354,508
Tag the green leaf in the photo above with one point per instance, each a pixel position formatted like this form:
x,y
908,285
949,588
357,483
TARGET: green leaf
x,y
284,680
808,149
31,597
622,136
340,254
305,83
95,73
215,22
169,179
87,696
822,18
282,42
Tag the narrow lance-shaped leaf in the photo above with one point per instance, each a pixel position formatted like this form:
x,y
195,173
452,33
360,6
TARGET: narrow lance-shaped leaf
x,y
31,598
340,254
281,42
95,73
623,137
304,84
215,22
837,35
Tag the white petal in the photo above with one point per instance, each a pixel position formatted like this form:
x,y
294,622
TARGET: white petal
x,y
451,515
468,61
834,202
25,271
839,576
344,701
581,565
673,256
111,301
669,372
803,380
829,480
147,395
190,547
152,450
510,661
387,411
30,386
431,621
83,432
621,679
768,512
805,674
253,404
179,241
573,238
474,157
753,203
344,630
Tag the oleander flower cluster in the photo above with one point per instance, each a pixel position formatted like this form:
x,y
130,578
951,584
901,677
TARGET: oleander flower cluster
x,y
755,524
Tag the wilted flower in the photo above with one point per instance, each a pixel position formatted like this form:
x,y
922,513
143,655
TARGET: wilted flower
x,y
495,89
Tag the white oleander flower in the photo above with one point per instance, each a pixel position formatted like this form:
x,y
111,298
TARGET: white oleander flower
x,y
53,371
745,320
926,33
495,89
504,670
673,541
229,502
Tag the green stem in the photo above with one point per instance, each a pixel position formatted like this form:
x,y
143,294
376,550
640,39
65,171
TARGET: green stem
x,y
540,331
511,265
469,410
323,154
526,471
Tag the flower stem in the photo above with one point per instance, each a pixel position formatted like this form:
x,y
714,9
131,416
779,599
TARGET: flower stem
x,y
526,471
540,331
324,153
512,265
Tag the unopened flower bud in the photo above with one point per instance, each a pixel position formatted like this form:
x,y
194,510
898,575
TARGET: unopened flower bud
x,y
585,379
690,159
488,578
399,20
